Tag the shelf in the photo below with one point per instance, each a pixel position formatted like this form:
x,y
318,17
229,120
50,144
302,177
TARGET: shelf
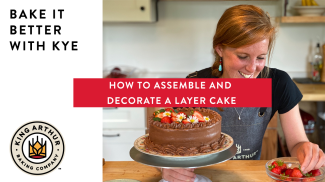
x,y
302,19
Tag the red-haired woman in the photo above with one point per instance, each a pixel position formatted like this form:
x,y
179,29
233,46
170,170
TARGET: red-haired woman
x,y
242,46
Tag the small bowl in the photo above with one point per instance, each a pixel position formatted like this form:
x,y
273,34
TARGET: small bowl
x,y
291,162
310,10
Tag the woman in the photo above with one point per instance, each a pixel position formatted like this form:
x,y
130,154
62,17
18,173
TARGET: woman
x,y
243,39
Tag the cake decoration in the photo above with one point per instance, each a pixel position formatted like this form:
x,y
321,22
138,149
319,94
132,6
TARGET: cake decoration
x,y
184,131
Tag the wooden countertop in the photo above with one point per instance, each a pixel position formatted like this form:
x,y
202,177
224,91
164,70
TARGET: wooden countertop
x,y
229,171
312,92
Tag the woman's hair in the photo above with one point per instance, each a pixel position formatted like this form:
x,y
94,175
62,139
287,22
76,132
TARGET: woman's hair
x,y
243,25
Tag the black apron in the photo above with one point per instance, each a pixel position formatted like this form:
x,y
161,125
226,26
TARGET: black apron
x,y
248,132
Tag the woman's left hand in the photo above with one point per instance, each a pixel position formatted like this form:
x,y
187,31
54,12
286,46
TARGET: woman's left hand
x,y
310,156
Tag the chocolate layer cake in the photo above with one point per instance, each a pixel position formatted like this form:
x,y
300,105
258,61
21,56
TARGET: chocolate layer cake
x,y
186,139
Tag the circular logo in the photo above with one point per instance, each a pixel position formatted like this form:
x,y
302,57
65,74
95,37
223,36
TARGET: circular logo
x,y
37,148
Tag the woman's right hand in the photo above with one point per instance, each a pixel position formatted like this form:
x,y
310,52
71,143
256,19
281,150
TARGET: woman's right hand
x,y
178,175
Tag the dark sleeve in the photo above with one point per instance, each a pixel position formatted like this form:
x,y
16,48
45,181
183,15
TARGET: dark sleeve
x,y
285,94
204,73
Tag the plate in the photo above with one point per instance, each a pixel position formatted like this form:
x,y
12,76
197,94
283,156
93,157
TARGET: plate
x,y
139,145
180,162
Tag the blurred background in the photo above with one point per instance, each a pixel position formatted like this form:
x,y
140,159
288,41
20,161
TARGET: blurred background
x,y
172,38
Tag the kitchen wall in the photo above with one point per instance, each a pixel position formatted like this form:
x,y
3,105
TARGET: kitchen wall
x,y
181,41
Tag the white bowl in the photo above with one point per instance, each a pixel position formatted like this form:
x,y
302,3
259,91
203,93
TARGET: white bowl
x,y
310,10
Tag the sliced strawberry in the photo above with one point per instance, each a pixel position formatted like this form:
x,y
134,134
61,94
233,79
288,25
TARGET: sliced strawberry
x,y
276,170
185,121
174,114
170,109
296,173
166,119
160,115
315,172
174,119
198,116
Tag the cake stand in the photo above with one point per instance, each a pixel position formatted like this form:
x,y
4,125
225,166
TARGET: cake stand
x,y
161,161
186,162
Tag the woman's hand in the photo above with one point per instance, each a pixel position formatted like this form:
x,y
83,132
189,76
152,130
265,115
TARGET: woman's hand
x,y
178,175
310,156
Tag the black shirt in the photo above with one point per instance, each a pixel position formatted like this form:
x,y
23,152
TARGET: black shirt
x,y
285,93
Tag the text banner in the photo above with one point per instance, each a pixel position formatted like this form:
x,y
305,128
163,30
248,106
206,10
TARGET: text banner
x,y
172,92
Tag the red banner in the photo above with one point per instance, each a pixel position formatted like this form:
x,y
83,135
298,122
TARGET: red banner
x,y
172,92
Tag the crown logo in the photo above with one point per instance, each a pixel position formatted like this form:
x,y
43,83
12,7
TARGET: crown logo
x,y
37,150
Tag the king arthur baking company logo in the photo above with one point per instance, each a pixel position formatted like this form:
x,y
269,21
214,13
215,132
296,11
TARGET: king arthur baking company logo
x,y
37,148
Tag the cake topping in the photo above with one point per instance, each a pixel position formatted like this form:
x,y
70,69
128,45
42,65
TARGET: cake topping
x,y
184,116
193,119
198,116
166,119
206,118
167,113
174,119
180,116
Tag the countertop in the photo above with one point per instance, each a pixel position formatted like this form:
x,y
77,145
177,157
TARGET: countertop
x,y
229,171
312,92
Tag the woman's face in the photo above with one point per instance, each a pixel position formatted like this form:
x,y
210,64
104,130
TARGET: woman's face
x,y
243,62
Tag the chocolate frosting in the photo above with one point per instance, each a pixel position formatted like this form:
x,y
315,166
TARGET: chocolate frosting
x,y
183,151
186,139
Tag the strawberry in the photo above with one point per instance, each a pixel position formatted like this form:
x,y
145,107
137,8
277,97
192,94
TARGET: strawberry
x,y
174,119
174,114
185,121
276,170
274,163
284,177
296,173
309,179
169,109
159,115
282,165
198,116
315,172
288,172
166,119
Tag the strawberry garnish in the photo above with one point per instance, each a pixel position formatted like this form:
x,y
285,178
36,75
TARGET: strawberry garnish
x,y
185,121
198,116
174,114
174,119
159,115
166,119
170,109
